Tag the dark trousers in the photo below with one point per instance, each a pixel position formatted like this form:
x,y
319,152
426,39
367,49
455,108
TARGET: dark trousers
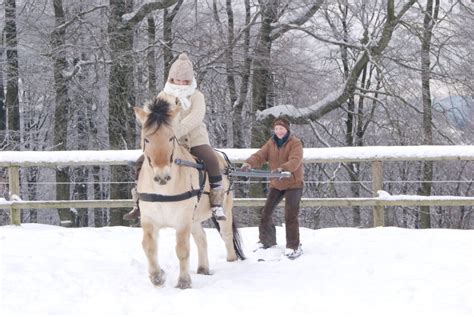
x,y
206,153
267,232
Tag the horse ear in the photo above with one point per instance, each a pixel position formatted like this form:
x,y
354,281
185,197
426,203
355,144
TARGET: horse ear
x,y
140,114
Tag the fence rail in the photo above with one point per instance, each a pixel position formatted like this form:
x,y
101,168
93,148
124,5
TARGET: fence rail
x,y
375,155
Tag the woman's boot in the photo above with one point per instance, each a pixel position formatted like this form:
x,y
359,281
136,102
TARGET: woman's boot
x,y
216,196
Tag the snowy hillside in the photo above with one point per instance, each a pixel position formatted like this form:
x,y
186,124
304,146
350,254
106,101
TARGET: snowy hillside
x,y
47,270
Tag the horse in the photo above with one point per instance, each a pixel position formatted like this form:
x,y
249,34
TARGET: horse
x,y
173,195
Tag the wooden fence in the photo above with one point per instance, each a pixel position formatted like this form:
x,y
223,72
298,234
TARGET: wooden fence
x,y
376,155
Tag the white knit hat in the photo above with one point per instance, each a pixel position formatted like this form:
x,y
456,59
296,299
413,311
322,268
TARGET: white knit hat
x,y
181,69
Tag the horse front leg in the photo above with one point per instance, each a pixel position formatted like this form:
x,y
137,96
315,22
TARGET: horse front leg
x,y
199,236
182,251
150,246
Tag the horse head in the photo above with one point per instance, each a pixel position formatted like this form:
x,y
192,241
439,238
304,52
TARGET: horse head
x,y
158,138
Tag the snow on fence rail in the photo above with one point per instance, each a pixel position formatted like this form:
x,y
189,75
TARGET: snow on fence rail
x,y
13,160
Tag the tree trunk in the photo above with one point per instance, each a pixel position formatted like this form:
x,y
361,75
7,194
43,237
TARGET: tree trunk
x,y
261,80
168,57
62,112
122,129
351,121
260,83
237,126
230,67
430,17
122,126
151,60
11,99
3,109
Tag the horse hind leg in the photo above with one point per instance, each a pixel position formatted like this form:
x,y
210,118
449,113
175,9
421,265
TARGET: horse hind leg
x,y
226,230
149,244
182,251
199,236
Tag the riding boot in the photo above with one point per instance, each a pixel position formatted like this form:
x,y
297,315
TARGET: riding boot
x,y
135,212
216,196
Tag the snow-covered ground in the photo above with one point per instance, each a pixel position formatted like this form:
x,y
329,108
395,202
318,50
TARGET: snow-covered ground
x,y
48,270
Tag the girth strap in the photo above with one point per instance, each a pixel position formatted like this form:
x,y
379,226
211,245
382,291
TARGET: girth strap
x,y
152,197
168,198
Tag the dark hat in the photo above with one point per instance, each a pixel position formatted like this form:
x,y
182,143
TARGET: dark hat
x,y
281,121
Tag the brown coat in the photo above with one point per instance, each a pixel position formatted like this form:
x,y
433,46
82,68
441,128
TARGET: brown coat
x,y
289,158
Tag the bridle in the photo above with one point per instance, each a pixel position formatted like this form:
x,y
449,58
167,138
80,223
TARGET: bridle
x,y
153,197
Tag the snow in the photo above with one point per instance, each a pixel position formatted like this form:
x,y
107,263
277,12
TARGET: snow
x,y
313,155
384,196
48,270
299,112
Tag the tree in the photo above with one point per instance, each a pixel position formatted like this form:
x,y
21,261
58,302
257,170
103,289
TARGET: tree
x,y
168,56
122,128
11,99
370,51
3,110
270,30
238,96
3,127
429,21
151,58
62,101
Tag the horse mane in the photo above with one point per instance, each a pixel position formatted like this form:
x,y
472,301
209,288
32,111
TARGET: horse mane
x,y
160,113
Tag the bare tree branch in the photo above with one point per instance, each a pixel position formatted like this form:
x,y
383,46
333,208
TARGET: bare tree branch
x,y
138,15
279,29
335,99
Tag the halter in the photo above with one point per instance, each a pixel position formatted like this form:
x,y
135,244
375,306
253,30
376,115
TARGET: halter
x,y
152,197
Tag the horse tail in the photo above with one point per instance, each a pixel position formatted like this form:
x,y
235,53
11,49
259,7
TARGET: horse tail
x,y
236,239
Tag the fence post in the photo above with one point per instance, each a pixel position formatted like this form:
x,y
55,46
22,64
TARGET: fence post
x,y
14,188
377,184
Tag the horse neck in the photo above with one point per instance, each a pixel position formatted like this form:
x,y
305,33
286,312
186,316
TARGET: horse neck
x,y
184,174
182,153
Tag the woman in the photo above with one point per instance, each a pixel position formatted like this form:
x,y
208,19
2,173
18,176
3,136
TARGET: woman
x,y
191,132
283,152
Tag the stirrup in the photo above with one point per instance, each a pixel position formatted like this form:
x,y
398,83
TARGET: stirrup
x,y
218,213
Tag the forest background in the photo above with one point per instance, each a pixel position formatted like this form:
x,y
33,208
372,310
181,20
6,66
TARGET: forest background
x,y
348,73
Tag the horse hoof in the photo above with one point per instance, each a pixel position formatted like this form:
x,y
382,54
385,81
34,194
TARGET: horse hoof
x,y
203,271
232,258
158,279
184,283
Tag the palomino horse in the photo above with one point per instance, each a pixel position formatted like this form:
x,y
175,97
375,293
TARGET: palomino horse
x,y
170,194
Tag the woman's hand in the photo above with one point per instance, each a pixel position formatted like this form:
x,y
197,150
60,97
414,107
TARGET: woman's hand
x,y
245,167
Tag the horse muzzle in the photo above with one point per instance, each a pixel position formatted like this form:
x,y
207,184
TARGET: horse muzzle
x,y
162,176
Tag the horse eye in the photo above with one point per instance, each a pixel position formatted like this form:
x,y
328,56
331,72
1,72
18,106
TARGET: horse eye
x,y
146,140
